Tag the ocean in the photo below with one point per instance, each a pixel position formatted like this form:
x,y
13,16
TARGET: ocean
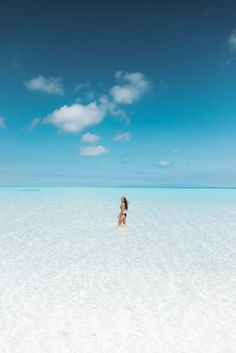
x,y
71,281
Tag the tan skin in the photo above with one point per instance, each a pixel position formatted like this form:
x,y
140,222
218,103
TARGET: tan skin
x,y
121,217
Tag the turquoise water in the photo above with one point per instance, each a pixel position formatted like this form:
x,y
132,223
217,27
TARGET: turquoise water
x,y
74,282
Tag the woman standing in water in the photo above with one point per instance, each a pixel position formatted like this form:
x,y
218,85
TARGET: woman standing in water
x,y
123,211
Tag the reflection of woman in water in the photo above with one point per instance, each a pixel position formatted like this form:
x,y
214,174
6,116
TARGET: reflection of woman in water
x,y
123,211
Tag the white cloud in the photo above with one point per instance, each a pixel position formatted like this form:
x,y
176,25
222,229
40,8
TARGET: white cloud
x,y
232,40
93,150
2,122
118,74
175,150
131,88
81,86
33,124
90,138
76,117
51,85
164,164
126,136
112,108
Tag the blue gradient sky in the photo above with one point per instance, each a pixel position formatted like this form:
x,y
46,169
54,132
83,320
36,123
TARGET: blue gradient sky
x,y
157,81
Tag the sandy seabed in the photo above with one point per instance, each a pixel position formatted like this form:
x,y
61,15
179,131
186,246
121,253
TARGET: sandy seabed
x,y
72,282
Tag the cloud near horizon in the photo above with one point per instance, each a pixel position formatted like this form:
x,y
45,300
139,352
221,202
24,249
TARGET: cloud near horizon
x,y
93,150
51,85
2,122
164,164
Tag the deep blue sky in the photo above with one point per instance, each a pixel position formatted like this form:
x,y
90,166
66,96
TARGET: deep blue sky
x,y
149,89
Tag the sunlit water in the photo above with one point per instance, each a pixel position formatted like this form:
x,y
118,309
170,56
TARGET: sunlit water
x,y
71,281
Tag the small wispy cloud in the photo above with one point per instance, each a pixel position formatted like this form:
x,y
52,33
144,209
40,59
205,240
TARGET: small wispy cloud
x,y
2,122
131,87
126,136
81,86
33,124
232,41
112,108
85,93
232,46
93,150
88,97
164,164
175,150
162,86
228,61
42,84
90,138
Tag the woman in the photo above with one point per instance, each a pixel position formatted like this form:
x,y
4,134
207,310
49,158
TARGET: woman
x,y
123,211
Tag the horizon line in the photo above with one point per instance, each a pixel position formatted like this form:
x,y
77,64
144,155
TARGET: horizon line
x,y
122,186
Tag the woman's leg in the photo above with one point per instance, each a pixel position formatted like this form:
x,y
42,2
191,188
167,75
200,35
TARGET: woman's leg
x,y
124,220
121,220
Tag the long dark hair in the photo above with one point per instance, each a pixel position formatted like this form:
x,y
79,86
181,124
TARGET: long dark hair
x,y
126,202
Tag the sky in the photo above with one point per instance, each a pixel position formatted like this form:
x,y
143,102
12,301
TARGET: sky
x,y
118,93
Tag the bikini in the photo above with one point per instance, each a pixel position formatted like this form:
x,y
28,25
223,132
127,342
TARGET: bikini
x,y
124,214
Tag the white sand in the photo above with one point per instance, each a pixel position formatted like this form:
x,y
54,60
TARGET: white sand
x,y
71,281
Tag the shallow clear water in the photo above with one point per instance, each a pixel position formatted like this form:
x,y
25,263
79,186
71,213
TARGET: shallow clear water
x,y
71,281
